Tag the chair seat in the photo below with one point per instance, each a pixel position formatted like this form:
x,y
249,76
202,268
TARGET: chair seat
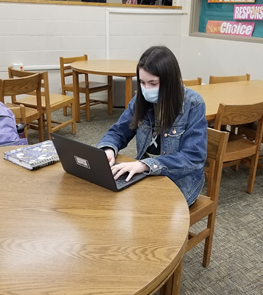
x,y
56,101
238,147
31,113
202,207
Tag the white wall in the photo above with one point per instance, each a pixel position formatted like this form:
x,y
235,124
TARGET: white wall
x,y
132,31
201,57
38,34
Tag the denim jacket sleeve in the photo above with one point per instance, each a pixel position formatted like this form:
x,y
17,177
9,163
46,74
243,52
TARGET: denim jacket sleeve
x,y
119,134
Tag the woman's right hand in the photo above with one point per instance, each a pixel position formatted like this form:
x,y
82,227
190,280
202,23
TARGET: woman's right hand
x,y
110,156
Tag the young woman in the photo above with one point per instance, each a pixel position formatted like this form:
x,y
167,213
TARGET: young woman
x,y
169,123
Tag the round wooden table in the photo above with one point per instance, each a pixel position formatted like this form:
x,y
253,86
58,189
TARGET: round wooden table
x,y
106,67
60,234
236,93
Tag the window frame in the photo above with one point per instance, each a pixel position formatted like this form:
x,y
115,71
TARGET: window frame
x,y
78,2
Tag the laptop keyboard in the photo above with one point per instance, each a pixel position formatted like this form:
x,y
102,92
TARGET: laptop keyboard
x,y
121,180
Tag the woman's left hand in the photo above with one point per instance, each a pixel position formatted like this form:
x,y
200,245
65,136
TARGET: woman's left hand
x,y
130,167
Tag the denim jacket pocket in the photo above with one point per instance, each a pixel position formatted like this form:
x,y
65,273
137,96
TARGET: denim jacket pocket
x,y
173,138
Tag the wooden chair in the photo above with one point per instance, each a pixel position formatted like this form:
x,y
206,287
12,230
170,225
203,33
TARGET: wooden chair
x,y
24,85
50,102
239,145
206,205
20,114
87,87
249,130
193,82
225,79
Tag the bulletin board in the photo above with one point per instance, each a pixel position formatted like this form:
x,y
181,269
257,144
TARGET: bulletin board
x,y
225,12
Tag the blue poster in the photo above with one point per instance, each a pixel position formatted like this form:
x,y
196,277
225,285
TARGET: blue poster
x,y
225,12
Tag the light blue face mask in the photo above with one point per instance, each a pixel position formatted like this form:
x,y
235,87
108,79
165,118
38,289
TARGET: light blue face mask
x,y
151,94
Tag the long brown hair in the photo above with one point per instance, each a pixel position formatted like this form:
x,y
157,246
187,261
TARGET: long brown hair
x,y
161,62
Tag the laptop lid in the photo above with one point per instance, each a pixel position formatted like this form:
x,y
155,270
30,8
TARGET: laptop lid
x,y
89,163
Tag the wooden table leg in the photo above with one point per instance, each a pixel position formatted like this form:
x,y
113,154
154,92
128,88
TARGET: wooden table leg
x,y
172,286
110,103
128,91
76,94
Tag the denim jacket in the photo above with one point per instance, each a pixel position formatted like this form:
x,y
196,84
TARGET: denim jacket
x,y
183,147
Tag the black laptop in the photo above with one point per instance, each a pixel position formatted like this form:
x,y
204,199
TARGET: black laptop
x,y
89,163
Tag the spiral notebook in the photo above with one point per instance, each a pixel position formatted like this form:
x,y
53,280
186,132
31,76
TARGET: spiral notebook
x,y
33,156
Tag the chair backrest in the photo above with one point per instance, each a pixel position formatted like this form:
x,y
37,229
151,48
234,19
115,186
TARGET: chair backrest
x,y
21,85
216,147
192,82
225,79
13,73
65,68
235,115
238,114
44,85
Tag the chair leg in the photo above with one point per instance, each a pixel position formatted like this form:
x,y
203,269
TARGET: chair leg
x,y
236,166
87,104
49,124
252,173
73,117
26,134
65,111
41,128
209,239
